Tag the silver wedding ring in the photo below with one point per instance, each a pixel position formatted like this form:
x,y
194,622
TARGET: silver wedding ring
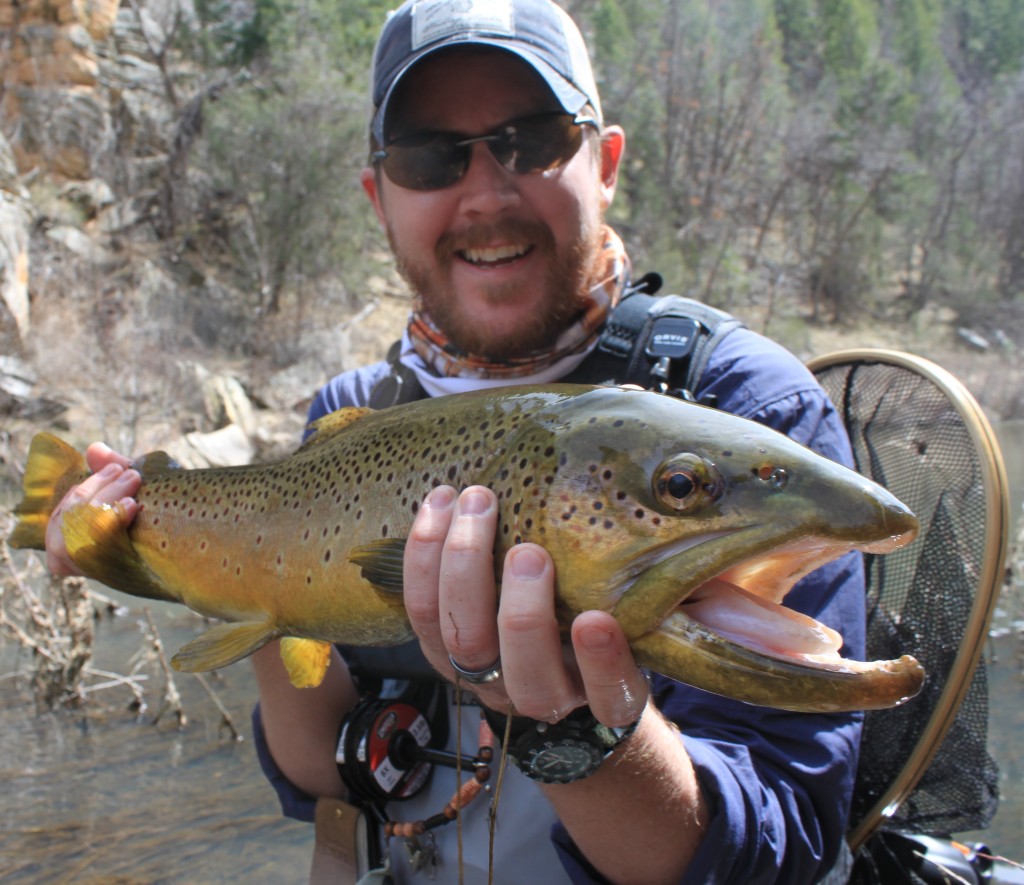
x,y
477,677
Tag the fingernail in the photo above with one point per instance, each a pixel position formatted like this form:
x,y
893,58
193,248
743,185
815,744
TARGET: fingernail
x,y
441,498
474,502
111,470
526,562
596,640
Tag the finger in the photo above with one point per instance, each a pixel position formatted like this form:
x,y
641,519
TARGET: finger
x,y
422,570
99,455
468,597
616,688
537,678
113,484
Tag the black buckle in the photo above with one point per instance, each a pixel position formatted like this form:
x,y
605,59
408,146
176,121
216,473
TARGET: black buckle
x,y
670,346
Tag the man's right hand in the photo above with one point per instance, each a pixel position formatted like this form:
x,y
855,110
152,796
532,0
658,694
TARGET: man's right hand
x,y
113,481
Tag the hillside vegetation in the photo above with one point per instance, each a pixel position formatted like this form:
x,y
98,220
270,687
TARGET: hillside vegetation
x,y
833,171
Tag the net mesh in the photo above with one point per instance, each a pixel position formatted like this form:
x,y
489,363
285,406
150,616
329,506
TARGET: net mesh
x,y
909,437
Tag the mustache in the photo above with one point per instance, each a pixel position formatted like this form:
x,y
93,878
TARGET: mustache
x,y
482,235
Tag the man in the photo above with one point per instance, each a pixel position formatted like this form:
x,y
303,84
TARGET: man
x,y
491,172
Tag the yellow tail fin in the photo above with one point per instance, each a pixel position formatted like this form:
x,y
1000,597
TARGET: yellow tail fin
x,y
53,467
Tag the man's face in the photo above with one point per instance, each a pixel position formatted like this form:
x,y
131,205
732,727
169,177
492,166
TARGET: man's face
x,y
501,261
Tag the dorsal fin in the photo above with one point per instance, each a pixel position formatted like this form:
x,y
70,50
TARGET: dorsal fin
x,y
155,462
326,427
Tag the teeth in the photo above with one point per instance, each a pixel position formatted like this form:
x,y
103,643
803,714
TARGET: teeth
x,y
494,253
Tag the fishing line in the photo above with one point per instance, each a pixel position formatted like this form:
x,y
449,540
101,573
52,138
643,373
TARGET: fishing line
x,y
493,820
458,770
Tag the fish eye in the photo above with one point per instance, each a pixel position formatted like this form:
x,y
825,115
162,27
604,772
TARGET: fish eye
x,y
684,482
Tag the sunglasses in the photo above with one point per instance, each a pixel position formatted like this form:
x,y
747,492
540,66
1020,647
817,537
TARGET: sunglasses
x,y
427,161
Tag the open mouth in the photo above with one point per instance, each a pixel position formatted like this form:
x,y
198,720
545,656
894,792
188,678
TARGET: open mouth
x,y
731,635
743,604
761,625
736,598
495,256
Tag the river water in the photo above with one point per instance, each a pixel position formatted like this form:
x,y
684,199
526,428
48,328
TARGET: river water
x,y
103,795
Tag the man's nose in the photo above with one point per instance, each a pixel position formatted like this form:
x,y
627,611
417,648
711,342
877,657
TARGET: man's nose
x,y
487,187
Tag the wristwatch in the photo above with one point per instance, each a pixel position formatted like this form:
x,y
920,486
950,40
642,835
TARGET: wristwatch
x,y
562,752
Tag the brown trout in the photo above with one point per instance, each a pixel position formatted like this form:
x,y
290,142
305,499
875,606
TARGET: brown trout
x,y
688,524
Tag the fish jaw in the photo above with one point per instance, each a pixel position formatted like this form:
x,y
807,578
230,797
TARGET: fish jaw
x,y
731,635
682,648
765,558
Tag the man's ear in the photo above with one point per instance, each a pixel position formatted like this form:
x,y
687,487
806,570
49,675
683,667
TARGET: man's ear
x,y
613,144
370,181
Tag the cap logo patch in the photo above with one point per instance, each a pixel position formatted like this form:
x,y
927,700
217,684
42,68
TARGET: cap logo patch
x,y
433,20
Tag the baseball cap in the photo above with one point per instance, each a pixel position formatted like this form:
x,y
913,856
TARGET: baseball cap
x,y
538,31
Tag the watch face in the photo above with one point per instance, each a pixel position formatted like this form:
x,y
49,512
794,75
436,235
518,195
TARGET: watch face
x,y
559,761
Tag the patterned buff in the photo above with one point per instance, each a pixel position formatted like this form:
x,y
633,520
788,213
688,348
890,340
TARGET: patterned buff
x,y
443,361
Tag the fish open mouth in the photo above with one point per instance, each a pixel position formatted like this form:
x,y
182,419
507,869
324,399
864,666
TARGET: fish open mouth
x,y
743,604
731,635
761,625
740,600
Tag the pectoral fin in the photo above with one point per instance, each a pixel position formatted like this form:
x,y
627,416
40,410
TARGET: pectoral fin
x,y
305,660
381,563
223,645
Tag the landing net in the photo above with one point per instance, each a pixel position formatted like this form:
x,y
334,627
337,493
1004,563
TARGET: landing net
x,y
924,766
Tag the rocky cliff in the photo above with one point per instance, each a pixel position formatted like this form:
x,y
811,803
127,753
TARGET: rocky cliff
x,y
84,113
